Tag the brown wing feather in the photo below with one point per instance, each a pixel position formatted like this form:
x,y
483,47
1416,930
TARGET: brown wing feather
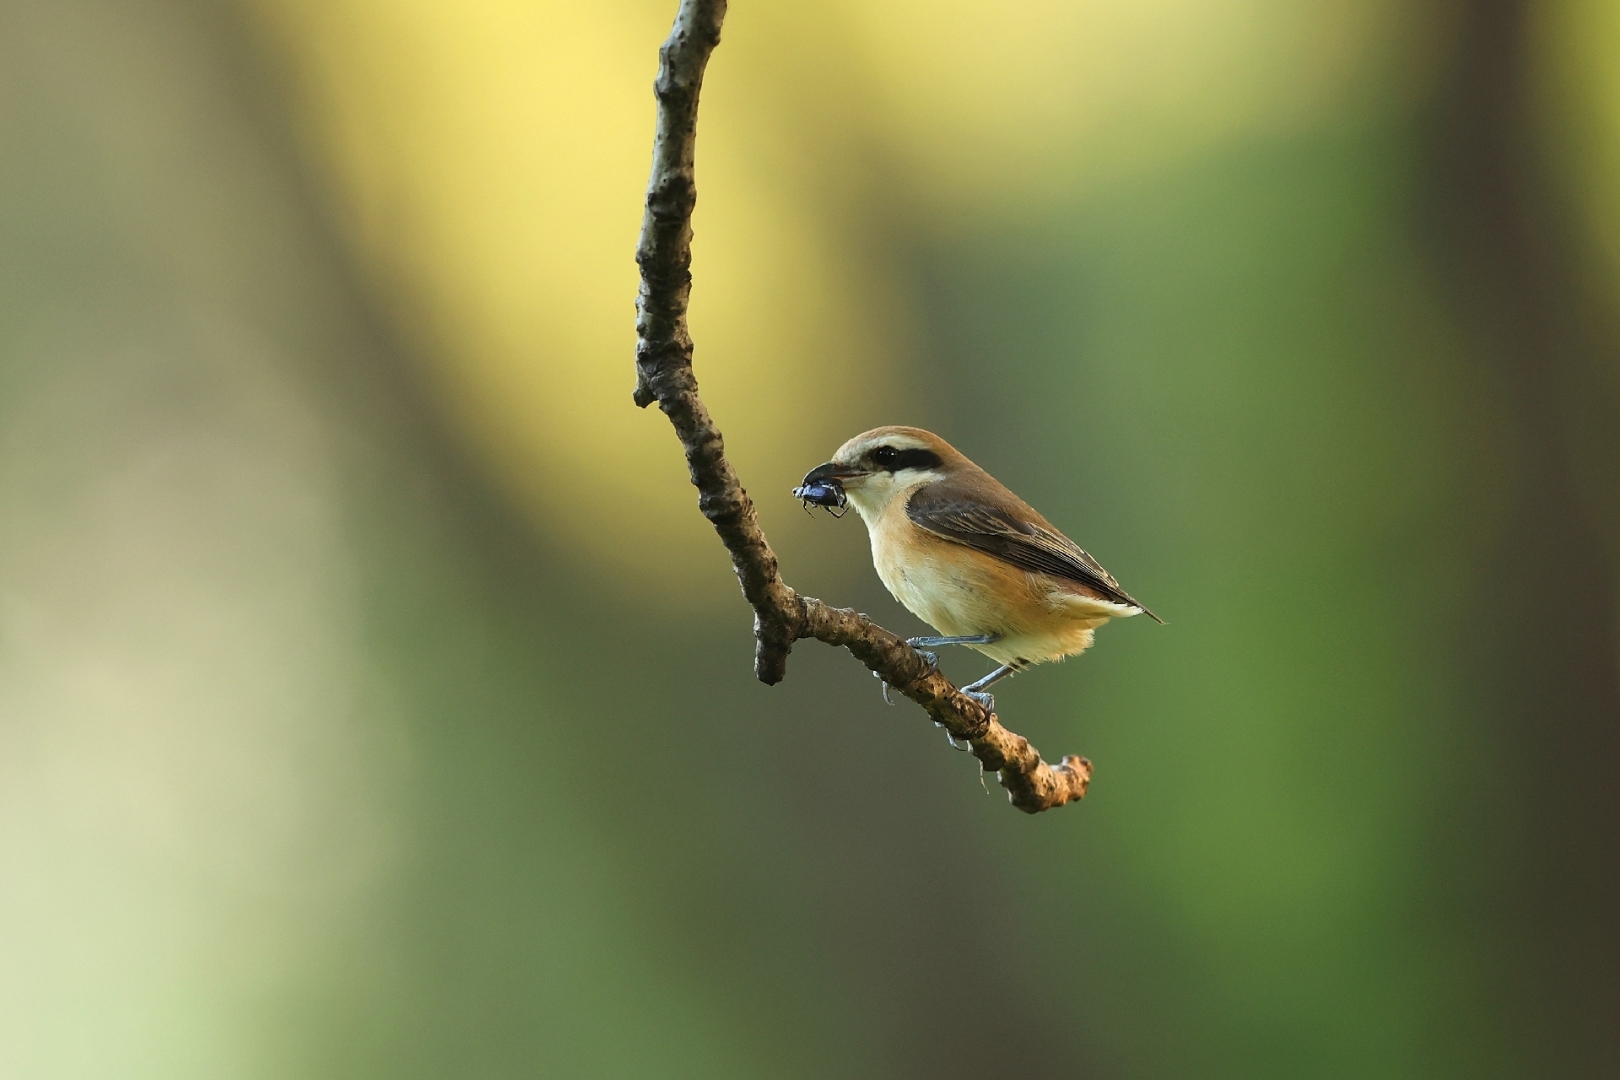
x,y
1024,544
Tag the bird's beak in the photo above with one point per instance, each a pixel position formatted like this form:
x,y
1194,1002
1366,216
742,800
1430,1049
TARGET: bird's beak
x,y
831,472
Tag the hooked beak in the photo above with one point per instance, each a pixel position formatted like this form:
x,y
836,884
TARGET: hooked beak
x,y
831,472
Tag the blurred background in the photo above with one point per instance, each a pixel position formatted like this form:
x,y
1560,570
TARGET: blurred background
x,y
375,703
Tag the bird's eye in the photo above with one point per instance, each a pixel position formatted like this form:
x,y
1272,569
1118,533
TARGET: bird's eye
x,y
894,460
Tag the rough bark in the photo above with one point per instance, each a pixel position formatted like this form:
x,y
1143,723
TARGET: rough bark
x,y
664,374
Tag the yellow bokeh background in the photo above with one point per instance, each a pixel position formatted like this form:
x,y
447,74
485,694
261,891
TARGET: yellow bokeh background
x,y
373,699
491,158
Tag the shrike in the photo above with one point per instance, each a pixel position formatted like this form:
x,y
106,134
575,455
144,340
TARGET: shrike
x,y
966,555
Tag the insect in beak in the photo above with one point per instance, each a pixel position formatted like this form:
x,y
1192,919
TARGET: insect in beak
x,y
823,486
827,493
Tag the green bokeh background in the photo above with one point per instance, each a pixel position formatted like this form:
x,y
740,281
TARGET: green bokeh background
x,y
322,755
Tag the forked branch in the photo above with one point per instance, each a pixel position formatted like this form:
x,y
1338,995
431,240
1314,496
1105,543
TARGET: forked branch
x,y
664,374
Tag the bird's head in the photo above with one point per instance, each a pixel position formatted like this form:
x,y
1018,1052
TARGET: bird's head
x,y
877,466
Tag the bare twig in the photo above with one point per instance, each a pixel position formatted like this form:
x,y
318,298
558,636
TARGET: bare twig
x,y
664,374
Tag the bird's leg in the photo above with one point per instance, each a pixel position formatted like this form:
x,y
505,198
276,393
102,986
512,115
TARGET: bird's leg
x,y
976,690
964,639
924,644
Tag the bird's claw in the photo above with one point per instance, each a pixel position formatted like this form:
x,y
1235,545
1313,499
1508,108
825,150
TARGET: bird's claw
x,y
886,699
987,700
930,658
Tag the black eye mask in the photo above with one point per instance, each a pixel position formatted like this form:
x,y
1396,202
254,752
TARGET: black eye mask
x,y
891,460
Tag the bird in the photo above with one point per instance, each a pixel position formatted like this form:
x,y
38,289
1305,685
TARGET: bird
x,y
967,556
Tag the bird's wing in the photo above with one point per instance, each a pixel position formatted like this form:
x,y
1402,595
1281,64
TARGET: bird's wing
x,y
1024,544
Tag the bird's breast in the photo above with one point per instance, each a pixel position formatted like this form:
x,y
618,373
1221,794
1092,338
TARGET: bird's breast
x,y
953,588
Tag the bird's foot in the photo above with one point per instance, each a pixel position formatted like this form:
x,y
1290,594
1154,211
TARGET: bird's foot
x,y
975,690
930,658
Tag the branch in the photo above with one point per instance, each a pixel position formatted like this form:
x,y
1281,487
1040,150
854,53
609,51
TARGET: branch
x,y
664,374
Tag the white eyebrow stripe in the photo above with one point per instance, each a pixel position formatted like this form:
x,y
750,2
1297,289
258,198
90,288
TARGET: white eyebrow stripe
x,y
897,442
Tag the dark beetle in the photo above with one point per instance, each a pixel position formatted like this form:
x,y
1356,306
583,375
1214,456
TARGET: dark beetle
x,y
828,493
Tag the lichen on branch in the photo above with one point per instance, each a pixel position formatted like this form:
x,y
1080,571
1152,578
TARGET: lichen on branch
x,y
664,374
